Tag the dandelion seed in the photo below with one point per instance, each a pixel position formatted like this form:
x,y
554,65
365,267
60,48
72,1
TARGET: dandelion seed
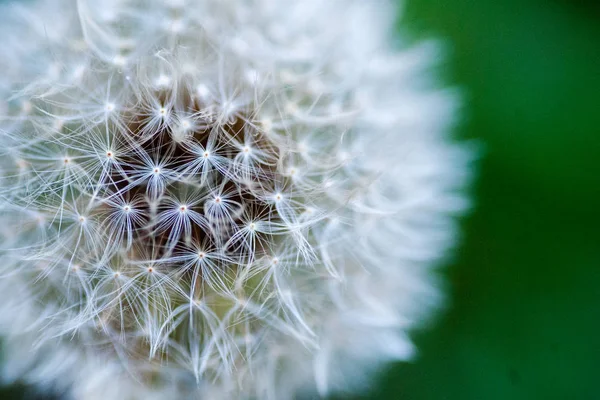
x,y
119,60
163,81
203,91
186,124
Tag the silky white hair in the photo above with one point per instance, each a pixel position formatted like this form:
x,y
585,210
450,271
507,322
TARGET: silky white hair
x,y
218,199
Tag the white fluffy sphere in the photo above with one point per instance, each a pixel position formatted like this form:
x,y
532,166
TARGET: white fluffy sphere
x,y
217,199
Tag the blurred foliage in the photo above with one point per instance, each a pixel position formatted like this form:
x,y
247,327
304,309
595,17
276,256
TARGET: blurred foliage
x,y
525,281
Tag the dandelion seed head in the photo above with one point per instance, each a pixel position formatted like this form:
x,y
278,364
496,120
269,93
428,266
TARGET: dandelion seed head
x,y
217,199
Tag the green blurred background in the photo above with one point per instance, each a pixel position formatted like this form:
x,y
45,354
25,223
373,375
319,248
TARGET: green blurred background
x,y
524,322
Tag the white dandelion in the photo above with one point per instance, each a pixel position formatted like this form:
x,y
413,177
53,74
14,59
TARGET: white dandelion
x,y
217,199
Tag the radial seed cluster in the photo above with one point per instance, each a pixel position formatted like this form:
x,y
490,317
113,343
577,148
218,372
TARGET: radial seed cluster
x,y
216,199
